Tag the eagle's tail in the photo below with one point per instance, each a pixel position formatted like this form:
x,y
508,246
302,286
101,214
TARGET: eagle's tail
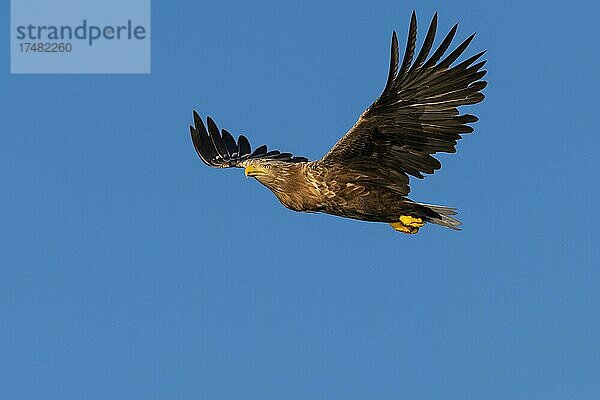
x,y
444,218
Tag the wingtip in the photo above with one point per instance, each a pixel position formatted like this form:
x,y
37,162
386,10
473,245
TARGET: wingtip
x,y
434,21
469,39
198,124
196,141
212,125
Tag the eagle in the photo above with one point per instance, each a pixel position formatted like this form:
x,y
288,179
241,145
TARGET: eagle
x,y
365,175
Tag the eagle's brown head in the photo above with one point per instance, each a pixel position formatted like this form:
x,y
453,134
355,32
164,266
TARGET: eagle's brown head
x,y
285,179
269,172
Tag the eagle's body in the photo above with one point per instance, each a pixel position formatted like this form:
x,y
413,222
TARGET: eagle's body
x,y
313,187
365,175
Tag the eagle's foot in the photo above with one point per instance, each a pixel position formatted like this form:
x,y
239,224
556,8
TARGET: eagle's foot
x,y
412,221
409,225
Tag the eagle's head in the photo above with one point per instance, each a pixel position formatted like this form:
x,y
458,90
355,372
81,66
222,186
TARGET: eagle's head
x,y
285,179
277,175
267,172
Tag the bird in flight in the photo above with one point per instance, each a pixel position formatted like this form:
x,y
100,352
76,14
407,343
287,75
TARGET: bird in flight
x,y
365,175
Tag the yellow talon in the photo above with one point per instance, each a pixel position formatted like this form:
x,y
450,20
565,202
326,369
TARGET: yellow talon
x,y
411,221
408,224
400,227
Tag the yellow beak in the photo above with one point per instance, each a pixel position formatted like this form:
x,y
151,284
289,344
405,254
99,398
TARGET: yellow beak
x,y
254,170
249,170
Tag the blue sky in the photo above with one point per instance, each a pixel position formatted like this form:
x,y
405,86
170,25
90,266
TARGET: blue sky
x,y
130,270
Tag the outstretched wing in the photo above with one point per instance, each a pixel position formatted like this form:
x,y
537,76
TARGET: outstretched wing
x,y
416,115
220,150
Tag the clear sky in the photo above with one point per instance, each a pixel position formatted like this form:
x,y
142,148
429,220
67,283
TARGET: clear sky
x,y
129,270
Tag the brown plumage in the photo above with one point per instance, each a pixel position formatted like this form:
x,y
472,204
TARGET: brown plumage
x,y
365,175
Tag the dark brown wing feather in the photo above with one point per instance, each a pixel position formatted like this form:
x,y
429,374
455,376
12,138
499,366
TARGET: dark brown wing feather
x,y
220,150
416,115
